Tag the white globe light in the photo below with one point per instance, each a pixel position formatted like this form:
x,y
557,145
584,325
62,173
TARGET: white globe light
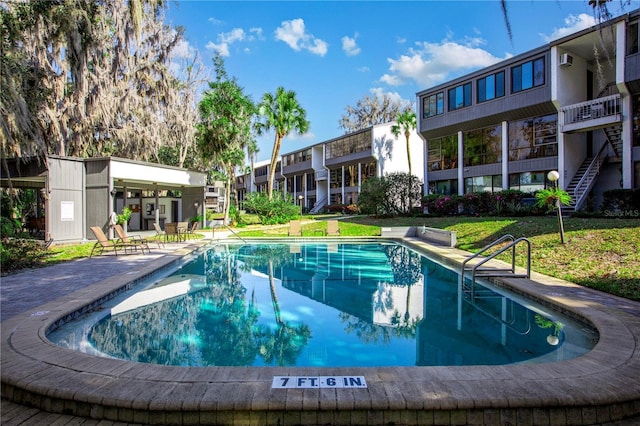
x,y
553,176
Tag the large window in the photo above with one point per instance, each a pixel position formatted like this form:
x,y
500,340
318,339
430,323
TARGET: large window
x,y
335,178
491,87
443,187
460,97
433,105
261,171
443,153
527,75
528,181
311,181
368,170
483,184
533,138
349,144
483,146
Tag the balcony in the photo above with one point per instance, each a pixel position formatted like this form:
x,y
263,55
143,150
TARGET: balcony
x,y
322,174
590,115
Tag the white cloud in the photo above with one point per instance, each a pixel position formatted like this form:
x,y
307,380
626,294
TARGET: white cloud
x,y
363,69
215,21
236,35
431,63
221,48
379,92
294,34
350,46
572,24
256,33
183,50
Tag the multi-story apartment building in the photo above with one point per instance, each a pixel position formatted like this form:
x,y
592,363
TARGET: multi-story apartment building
x,y
572,105
332,172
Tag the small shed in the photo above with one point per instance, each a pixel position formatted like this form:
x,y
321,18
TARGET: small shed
x,y
78,193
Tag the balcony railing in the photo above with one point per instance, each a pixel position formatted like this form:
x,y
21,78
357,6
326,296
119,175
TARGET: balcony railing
x,y
594,113
322,174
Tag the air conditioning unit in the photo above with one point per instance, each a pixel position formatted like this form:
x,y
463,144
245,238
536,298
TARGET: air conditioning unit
x,y
566,60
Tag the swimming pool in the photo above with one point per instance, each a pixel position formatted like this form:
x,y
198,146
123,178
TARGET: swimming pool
x,y
323,304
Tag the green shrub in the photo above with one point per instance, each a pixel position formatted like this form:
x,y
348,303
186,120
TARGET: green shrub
x,y
20,253
280,209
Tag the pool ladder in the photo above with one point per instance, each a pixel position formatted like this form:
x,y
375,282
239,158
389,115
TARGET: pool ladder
x,y
479,269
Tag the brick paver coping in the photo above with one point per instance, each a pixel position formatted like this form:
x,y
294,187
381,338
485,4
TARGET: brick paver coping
x,y
598,387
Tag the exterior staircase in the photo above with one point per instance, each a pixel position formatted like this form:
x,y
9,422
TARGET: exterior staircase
x,y
584,180
319,205
614,137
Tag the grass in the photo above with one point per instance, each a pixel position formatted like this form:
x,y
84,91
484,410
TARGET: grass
x,y
603,254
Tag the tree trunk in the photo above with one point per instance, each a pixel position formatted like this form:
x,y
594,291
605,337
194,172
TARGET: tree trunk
x,y
274,161
406,135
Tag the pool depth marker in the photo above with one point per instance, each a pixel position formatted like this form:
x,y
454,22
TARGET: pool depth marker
x,y
307,382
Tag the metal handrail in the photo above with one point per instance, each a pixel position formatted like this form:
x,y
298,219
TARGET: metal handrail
x,y
487,247
583,180
512,245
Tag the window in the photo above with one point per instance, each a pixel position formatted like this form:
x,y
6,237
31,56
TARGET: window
x,y
433,105
443,153
527,75
483,184
443,187
311,181
528,181
491,87
632,39
460,97
483,146
335,178
368,170
533,138
349,144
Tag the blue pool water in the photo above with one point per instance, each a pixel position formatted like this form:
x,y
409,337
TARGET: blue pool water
x,y
325,305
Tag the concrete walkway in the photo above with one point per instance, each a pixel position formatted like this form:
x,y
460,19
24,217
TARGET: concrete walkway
x,y
601,387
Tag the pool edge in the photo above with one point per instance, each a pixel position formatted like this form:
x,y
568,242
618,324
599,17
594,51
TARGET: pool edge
x,y
37,373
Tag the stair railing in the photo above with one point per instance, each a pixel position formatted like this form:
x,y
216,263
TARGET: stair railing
x,y
497,272
584,184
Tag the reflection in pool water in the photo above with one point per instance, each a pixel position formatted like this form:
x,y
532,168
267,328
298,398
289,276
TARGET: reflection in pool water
x,y
336,304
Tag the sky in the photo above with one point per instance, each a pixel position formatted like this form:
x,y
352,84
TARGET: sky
x,y
334,53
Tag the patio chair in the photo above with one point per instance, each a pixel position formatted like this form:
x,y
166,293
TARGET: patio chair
x,y
183,230
171,231
105,243
191,232
131,241
160,234
332,228
295,228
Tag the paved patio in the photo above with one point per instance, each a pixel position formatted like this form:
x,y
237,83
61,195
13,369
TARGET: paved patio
x,y
597,388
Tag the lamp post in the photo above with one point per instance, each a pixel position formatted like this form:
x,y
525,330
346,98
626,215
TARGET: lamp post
x,y
553,176
300,197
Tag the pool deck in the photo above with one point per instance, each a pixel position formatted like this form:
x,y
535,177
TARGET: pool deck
x,y
600,387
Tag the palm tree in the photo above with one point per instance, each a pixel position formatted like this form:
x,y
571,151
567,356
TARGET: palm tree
x,y
281,112
224,130
405,123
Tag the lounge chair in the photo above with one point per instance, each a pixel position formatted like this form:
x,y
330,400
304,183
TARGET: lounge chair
x,y
171,231
295,229
191,232
160,234
332,228
183,230
131,241
104,243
